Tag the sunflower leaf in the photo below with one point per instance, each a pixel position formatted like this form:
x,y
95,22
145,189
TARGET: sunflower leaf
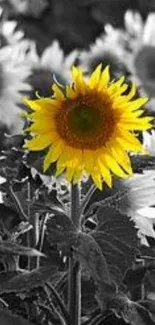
x,y
61,230
140,163
88,252
7,318
11,248
35,160
24,282
117,238
13,141
131,312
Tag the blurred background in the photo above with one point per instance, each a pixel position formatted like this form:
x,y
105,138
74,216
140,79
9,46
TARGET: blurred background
x,y
41,39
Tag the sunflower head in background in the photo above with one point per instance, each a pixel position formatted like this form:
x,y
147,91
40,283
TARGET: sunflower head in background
x,y
108,50
51,65
88,126
14,72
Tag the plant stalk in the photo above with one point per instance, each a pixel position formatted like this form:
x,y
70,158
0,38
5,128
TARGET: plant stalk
x,y
74,282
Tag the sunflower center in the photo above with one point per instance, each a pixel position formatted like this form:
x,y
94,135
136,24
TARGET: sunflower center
x,y
84,120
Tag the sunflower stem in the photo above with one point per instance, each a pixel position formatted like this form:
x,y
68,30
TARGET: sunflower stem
x,y
74,282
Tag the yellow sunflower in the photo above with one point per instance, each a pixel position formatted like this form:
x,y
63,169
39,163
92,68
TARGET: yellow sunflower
x,y
88,126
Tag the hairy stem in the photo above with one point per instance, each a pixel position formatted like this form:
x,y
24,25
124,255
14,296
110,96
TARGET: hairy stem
x,y
74,282
29,233
17,204
87,198
41,239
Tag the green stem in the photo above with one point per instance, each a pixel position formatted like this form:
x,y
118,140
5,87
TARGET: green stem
x,y
29,215
74,283
41,238
17,203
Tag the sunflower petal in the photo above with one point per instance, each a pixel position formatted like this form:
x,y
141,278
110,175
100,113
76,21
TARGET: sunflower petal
x,y
105,172
58,93
39,143
95,77
96,176
52,155
105,78
112,164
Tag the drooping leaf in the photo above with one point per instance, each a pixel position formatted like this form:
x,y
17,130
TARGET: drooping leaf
x,y
12,248
90,256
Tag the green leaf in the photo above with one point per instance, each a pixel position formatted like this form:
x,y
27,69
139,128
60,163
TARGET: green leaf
x,y
13,141
131,312
142,162
61,230
11,248
134,276
36,159
47,202
24,282
149,304
117,238
88,252
7,318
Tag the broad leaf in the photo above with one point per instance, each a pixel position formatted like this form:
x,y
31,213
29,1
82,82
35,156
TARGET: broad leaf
x,y
131,312
117,239
14,141
7,318
61,230
142,162
134,277
47,202
9,247
90,256
25,281
35,159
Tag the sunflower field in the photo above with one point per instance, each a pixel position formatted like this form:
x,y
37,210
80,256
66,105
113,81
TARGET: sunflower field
x,y
77,162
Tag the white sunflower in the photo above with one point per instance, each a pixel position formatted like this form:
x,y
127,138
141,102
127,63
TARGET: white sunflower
x,y
141,58
14,71
138,202
107,49
136,44
9,32
33,8
50,66
149,142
